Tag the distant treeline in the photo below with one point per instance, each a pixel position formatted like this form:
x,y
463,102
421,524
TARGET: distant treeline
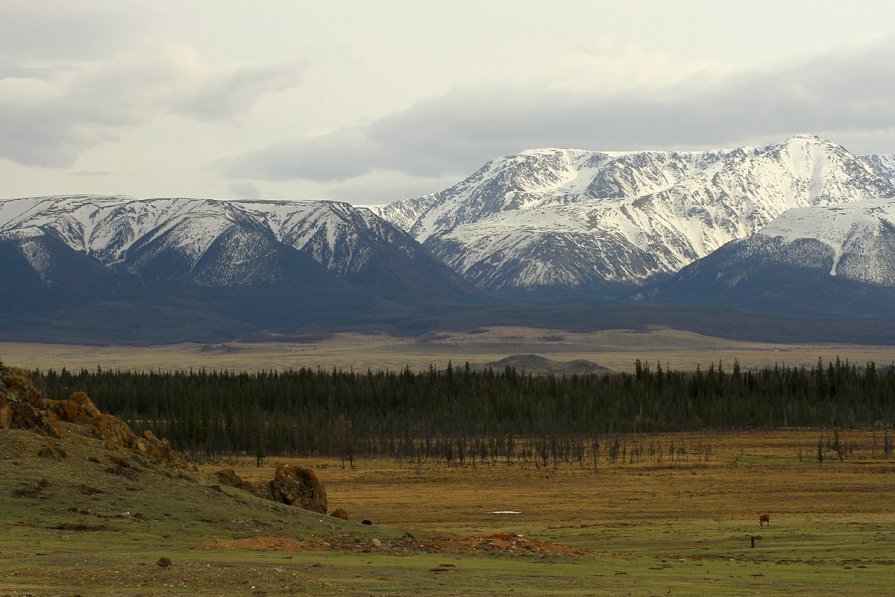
x,y
406,414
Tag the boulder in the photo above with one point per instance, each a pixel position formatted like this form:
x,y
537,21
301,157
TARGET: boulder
x,y
298,486
229,478
157,450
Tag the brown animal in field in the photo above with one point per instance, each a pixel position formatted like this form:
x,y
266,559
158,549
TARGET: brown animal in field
x,y
764,518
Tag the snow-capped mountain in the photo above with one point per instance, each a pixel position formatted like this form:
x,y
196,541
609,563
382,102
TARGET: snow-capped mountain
x,y
189,268
834,259
210,242
575,218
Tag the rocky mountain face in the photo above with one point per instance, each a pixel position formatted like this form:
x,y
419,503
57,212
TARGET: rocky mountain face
x,y
211,243
821,259
882,164
558,218
233,265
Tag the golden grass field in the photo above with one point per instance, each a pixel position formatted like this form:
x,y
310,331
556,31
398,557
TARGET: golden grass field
x,y
745,474
616,349
653,527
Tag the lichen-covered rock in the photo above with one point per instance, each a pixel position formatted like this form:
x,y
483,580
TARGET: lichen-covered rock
x,y
79,408
291,485
157,450
23,406
114,432
298,486
229,478
28,415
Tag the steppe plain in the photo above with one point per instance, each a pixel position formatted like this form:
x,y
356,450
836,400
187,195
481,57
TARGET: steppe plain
x,y
615,349
682,525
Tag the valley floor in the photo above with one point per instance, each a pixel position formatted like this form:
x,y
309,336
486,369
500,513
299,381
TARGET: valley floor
x,y
615,349
683,525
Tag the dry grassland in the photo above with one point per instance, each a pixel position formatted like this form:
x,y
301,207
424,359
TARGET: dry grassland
x,y
745,475
684,527
616,349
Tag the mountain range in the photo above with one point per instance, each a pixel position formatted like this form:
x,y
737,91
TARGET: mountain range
x,y
802,228
558,218
203,265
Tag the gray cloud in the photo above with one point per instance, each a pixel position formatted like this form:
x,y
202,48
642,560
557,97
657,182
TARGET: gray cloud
x,y
245,190
840,93
61,30
226,94
92,173
44,135
78,108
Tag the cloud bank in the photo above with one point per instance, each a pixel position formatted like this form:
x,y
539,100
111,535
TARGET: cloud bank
x,y
51,114
839,93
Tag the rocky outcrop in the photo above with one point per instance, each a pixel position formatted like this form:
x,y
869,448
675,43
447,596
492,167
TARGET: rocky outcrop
x,y
24,406
292,485
229,478
79,408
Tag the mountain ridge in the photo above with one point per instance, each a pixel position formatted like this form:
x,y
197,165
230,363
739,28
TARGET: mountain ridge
x,y
835,259
576,218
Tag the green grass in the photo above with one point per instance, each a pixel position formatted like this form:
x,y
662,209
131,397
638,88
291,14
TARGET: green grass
x,y
59,542
637,559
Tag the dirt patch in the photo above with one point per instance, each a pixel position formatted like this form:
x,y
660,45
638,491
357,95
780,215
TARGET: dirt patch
x,y
32,490
272,544
512,545
496,544
67,526
87,490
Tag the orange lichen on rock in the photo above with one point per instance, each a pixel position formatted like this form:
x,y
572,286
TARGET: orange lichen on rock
x,y
24,406
340,513
79,408
298,486
292,485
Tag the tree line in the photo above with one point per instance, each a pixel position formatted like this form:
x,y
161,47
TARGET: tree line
x,y
460,413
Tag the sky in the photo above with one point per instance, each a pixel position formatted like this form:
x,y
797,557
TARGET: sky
x,y
375,101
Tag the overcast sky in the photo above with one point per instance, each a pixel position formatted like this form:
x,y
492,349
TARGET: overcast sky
x,y
375,101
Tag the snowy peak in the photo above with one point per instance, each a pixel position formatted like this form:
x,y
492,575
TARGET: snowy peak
x,y
576,218
824,259
213,243
860,235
